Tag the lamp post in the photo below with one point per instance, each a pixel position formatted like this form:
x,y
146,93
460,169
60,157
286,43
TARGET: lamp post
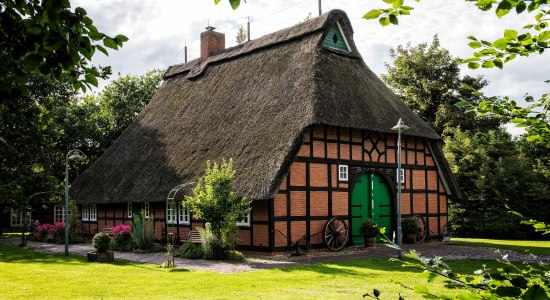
x,y
74,154
399,128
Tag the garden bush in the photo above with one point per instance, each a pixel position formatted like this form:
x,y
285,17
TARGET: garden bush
x,y
191,251
124,240
143,231
102,242
53,233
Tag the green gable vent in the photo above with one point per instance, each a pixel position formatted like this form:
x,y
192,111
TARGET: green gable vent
x,y
335,39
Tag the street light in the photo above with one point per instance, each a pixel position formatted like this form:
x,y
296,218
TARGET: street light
x,y
74,154
399,127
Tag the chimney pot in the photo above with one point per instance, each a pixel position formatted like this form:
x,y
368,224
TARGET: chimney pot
x,y
211,41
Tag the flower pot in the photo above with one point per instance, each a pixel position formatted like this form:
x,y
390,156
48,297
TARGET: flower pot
x,y
370,242
409,238
108,256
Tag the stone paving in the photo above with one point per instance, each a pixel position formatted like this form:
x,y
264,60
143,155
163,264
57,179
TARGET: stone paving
x,y
258,262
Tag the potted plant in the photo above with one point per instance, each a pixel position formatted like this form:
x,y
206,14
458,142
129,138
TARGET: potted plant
x,y
369,229
102,243
409,229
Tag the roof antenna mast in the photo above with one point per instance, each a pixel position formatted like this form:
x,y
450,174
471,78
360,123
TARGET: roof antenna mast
x,y
248,28
320,10
185,51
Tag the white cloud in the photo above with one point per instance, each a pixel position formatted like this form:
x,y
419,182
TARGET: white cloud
x,y
158,31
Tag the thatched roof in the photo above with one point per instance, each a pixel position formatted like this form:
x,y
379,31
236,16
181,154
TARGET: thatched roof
x,y
250,103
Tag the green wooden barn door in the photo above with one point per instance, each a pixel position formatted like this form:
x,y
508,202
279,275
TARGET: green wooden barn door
x,y
359,207
381,203
370,198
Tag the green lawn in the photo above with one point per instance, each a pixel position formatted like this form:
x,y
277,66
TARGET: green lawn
x,y
535,247
29,274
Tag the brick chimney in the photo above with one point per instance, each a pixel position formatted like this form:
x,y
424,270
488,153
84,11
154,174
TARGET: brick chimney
x,y
211,41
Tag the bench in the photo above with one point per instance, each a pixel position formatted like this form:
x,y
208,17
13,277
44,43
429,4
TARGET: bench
x,y
195,237
107,230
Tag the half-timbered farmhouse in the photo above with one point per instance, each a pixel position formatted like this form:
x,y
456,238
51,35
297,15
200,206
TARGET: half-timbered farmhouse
x,y
308,126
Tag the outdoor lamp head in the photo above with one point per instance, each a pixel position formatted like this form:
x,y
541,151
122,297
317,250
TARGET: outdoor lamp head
x,y
76,156
400,125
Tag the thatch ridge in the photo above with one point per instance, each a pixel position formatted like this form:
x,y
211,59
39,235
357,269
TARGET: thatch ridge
x,y
250,103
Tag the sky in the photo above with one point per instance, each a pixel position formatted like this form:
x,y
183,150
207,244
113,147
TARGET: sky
x,y
159,30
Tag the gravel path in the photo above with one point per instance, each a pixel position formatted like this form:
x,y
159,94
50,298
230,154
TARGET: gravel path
x,y
257,262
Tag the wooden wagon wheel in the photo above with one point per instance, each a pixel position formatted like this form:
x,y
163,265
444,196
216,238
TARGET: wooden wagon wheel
x,y
335,234
422,229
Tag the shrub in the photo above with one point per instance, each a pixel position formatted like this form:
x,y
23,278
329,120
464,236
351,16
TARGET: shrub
x,y
191,251
143,231
102,242
123,238
213,247
408,226
234,255
369,228
49,232
215,202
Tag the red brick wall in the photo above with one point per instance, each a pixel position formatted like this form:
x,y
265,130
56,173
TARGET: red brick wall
x,y
313,179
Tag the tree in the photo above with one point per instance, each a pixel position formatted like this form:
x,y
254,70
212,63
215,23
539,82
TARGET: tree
x,y
534,39
215,202
47,37
427,78
124,98
241,36
493,174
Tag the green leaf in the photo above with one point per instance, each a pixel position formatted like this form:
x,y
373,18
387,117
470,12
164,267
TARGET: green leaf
x,y
503,8
474,45
373,14
431,277
384,21
33,61
397,3
393,20
473,65
517,120
91,79
498,63
508,291
521,7
119,39
543,36
80,11
510,34
235,3
535,292
500,43
108,42
103,50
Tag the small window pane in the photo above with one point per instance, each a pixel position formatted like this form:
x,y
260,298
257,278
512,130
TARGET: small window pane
x,y
85,213
245,221
343,172
171,212
146,210
93,212
130,214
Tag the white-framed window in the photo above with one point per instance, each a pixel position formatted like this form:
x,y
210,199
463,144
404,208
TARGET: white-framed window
x,y
89,212
16,219
343,172
245,221
401,177
85,212
59,213
183,214
130,215
92,208
146,210
171,212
